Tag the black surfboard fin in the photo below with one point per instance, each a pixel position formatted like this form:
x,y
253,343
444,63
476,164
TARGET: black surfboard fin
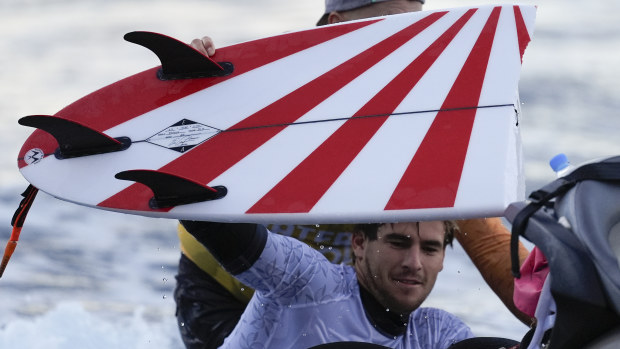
x,y
179,60
75,139
170,190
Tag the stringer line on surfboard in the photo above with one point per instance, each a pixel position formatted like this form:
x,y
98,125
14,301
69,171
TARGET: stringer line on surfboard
x,y
77,140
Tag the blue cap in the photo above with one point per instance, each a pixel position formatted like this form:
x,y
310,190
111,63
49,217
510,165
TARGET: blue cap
x,y
559,162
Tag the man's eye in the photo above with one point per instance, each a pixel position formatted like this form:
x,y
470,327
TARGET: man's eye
x,y
398,243
430,249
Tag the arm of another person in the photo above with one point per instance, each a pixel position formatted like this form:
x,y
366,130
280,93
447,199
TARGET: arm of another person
x,y
487,243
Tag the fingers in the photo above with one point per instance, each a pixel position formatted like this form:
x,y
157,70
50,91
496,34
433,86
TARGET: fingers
x,y
204,45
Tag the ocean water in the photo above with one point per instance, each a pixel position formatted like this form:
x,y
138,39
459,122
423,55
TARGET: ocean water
x,y
92,279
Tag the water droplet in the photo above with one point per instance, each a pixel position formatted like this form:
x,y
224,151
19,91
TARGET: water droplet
x,y
317,225
330,248
165,280
387,309
182,324
321,247
242,289
164,297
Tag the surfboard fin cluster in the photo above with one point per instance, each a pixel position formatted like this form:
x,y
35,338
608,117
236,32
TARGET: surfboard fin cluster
x,y
75,139
179,60
171,190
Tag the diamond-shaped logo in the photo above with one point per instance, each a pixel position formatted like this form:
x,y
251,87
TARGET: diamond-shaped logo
x,y
183,135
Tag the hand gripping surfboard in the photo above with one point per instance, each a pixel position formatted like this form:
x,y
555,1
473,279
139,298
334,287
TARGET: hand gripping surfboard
x,y
405,117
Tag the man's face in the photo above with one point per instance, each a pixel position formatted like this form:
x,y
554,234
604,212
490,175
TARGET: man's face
x,y
378,9
400,267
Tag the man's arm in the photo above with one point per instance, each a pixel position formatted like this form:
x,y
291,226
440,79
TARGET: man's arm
x,y
277,265
236,246
487,242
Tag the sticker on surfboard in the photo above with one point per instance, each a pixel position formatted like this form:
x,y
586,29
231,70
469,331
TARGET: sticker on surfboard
x,y
33,156
183,135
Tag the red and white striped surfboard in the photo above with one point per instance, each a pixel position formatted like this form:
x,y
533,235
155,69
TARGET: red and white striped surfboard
x,y
405,117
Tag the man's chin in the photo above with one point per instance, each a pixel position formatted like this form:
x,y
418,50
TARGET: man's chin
x,y
407,305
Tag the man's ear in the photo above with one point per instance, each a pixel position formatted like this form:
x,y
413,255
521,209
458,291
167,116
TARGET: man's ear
x,y
358,244
335,17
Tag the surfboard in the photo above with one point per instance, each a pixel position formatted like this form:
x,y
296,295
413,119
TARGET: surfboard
x,y
405,117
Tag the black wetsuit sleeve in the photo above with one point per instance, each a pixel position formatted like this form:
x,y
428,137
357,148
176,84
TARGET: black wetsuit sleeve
x,y
235,245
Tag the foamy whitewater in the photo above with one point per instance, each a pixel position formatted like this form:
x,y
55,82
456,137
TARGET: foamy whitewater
x,y
85,278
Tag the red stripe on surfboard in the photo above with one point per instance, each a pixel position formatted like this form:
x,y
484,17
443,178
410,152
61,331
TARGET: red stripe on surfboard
x,y
227,148
300,190
432,178
522,34
143,92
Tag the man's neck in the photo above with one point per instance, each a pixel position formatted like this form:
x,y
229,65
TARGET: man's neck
x,y
387,322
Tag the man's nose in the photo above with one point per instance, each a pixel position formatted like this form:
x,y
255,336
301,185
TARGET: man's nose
x,y
412,258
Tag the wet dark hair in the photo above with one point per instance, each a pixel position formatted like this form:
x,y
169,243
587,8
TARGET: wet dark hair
x,y
370,231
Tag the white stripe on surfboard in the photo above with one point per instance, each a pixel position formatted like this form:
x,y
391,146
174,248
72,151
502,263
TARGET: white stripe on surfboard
x,y
504,65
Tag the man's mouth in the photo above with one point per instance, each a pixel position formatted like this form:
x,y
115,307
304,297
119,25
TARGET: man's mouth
x,y
407,281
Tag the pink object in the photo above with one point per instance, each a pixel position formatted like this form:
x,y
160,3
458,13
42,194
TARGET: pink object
x,y
534,271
